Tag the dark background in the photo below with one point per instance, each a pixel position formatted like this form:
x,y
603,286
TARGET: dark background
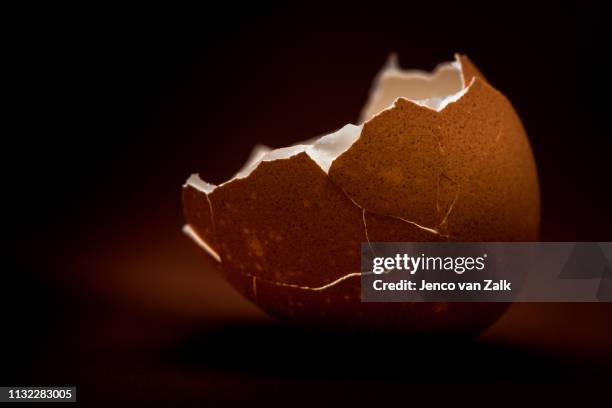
x,y
114,108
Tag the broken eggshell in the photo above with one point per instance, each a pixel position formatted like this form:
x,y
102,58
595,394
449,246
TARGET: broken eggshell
x,y
438,156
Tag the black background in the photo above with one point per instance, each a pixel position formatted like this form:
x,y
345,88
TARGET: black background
x,y
113,108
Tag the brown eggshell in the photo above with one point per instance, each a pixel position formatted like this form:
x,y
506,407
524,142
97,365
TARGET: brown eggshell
x,y
288,234
400,178
287,222
446,165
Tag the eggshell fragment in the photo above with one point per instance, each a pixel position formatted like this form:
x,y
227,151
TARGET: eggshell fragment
x,y
454,171
269,223
400,178
439,157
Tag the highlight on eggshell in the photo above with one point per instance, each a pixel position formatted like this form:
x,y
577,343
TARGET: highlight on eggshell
x,y
438,156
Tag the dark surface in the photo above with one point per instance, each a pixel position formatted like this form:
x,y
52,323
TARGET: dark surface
x,y
120,107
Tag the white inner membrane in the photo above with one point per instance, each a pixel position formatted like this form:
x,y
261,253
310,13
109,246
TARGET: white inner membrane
x,y
432,90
